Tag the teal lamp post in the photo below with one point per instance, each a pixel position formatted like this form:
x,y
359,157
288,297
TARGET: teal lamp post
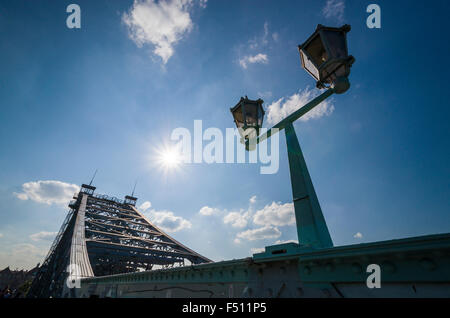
x,y
324,56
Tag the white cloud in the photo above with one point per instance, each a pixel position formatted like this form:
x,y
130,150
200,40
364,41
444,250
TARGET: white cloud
x,y
22,256
266,94
275,36
260,234
167,221
258,58
164,219
358,235
284,242
260,40
1,235
43,236
266,33
206,210
281,108
248,51
334,9
237,219
257,250
49,192
145,206
161,24
275,214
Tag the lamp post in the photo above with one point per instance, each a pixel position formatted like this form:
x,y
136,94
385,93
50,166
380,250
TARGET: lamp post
x,y
324,55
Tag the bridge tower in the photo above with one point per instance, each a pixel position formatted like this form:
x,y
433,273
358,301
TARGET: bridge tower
x,y
103,235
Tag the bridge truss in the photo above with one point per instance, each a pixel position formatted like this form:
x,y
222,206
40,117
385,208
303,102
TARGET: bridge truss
x,y
103,235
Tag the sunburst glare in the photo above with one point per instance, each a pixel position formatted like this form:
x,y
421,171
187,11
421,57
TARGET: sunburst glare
x,y
169,158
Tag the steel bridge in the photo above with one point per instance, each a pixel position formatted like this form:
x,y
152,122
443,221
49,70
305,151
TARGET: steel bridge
x,y
107,248
103,235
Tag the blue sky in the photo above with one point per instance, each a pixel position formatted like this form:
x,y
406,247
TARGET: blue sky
x,y
105,97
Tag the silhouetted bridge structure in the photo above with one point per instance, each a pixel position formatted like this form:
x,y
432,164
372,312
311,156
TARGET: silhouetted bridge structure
x,y
112,250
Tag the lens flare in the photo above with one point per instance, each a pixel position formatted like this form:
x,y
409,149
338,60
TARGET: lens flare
x,y
170,158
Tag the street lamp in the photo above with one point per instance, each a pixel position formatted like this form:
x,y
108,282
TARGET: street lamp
x,y
324,56
248,116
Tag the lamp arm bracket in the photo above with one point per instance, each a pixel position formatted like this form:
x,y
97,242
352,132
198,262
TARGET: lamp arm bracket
x,y
296,115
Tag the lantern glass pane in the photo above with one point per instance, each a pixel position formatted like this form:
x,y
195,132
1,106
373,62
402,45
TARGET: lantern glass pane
x,y
238,118
336,44
260,116
309,66
316,51
251,114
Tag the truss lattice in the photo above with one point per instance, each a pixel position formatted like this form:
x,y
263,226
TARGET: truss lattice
x,y
103,235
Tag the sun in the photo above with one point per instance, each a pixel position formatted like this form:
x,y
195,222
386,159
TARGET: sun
x,y
170,158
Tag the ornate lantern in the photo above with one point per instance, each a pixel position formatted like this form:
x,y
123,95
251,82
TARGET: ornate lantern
x,y
325,56
248,114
